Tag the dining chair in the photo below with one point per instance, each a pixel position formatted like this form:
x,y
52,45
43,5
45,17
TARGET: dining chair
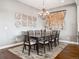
x,y
44,40
28,42
53,38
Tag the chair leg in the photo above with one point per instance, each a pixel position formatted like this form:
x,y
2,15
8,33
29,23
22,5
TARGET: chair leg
x,y
58,41
55,44
29,50
23,50
34,47
24,47
49,45
44,49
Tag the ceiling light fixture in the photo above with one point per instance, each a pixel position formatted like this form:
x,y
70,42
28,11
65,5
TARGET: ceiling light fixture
x,y
43,12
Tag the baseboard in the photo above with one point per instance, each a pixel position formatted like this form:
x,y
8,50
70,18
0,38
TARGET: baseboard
x,y
69,42
11,45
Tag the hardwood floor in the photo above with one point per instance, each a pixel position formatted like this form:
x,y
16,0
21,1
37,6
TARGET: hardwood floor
x,y
70,52
5,54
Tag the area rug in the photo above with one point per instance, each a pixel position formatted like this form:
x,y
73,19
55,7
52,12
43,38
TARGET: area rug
x,y
48,55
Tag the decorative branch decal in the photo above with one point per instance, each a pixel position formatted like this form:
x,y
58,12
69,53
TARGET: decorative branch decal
x,y
24,20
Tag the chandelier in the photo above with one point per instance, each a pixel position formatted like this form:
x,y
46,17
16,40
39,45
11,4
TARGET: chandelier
x,y
43,13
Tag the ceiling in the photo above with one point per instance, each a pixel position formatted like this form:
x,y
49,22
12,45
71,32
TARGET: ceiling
x,y
48,3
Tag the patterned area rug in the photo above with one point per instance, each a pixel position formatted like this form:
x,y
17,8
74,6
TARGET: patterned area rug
x,y
48,55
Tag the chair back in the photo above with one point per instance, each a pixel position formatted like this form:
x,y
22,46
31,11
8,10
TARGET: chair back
x,y
46,36
37,32
54,32
26,38
31,32
48,32
57,34
43,32
24,32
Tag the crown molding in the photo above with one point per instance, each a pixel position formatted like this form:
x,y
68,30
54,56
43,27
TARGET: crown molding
x,y
77,2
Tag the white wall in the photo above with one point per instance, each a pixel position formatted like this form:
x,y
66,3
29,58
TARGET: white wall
x,y
78,22
78,17
8,30
69,31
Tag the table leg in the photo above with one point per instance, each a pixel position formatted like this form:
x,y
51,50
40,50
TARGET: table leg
x,y
37,47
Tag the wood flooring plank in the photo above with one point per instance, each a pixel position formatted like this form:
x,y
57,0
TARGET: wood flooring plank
x,y
5,54
70,52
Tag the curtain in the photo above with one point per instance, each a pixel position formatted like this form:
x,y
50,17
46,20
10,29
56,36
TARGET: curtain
x,y
55,20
